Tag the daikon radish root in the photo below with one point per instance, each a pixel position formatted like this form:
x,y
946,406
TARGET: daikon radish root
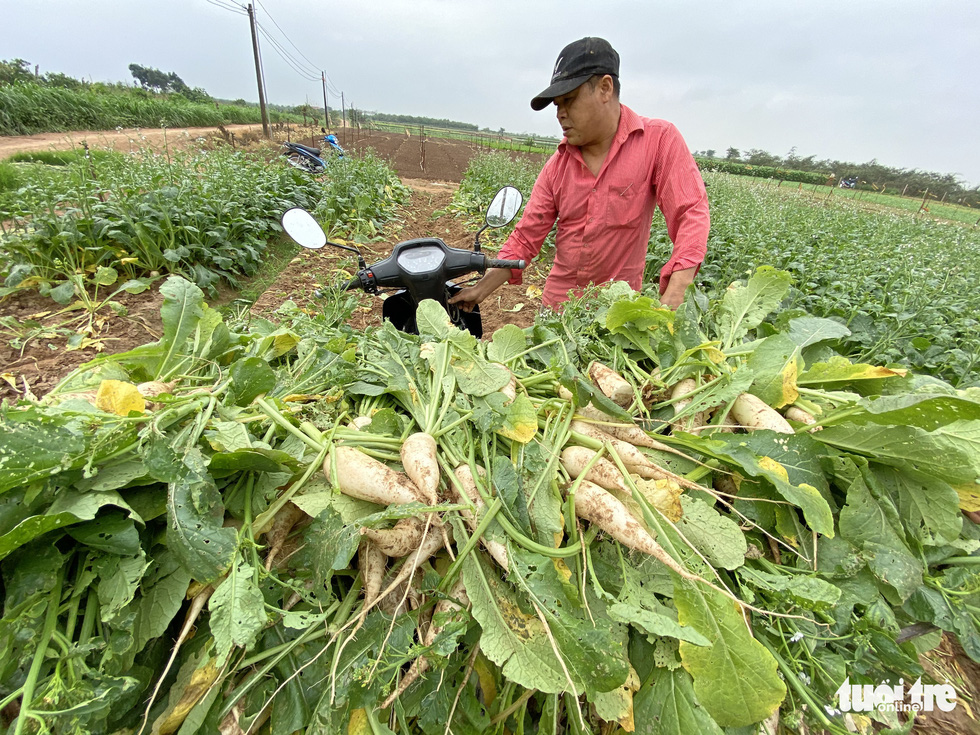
x,y
510,390
603,473
400,540
626,451
612,384
365,478
496,549
457,601
287,517
653,471
154,388
371,560
359,423
601,509
431,543
615,427
797,414
419,459
688,423
753,414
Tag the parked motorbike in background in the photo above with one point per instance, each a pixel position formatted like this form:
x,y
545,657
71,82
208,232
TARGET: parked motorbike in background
x,y
311,159
420,269
850,182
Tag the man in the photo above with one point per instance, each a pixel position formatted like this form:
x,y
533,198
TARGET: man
x,y
610,172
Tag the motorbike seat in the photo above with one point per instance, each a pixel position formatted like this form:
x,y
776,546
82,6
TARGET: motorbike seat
x,y
308,149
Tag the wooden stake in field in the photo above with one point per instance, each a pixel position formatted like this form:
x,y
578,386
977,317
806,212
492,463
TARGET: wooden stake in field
x,y
923,205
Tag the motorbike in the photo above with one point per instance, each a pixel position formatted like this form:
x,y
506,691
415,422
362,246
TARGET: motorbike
x,y
424,268
308,158
849,183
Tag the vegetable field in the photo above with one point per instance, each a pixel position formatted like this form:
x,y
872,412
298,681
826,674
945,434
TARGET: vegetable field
x,y
214,531
615,519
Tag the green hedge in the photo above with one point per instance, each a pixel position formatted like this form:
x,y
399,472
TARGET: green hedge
x,y
763,172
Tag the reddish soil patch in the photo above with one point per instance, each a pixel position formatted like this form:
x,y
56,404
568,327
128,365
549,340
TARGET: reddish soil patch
x,y
509,305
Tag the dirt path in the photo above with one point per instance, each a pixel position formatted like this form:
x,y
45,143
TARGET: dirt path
x,y
122,140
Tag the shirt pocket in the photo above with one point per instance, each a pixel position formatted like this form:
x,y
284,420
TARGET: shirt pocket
x,y
624,208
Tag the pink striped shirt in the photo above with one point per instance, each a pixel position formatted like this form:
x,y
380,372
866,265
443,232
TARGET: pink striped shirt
x,y
604,221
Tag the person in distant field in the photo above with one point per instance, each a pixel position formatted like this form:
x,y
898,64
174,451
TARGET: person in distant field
x,y
611,170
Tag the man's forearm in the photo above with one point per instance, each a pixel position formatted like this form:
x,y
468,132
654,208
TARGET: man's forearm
x,y
493,279
679,280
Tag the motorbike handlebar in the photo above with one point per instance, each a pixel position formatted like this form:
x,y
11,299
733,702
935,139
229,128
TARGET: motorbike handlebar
x,y
495,263
353,283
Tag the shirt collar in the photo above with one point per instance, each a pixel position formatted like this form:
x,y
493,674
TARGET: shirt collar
x,y
629,123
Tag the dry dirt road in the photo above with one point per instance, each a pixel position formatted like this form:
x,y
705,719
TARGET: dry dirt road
x,y
122,140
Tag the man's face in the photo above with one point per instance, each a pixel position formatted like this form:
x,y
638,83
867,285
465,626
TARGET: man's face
x,y
581,114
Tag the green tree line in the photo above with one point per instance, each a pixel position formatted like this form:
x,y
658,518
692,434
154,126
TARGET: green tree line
x,y
871,176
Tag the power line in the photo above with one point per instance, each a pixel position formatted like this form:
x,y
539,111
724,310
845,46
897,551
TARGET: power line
x,y
228,6
293,64
312,65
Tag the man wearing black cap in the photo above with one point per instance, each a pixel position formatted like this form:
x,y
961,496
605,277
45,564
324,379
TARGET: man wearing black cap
x,y
610,172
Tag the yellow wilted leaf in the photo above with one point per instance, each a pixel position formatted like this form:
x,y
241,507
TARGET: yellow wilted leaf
x,y
201,681
358,723
715,355
534,292
127,261
119,397
517,308
969,496
664,495
768,463
487,683
562,568
11,379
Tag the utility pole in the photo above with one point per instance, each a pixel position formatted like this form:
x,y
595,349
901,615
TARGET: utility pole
x,y
326,110
258,72
343,110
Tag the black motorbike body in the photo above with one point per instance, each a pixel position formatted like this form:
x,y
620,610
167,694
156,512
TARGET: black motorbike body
x,y
400,309
425,269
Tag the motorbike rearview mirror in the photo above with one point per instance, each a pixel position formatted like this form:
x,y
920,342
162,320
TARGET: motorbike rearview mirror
x,y
504,207
300,225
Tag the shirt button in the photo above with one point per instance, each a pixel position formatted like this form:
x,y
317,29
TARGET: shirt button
x,y
591,218
593,191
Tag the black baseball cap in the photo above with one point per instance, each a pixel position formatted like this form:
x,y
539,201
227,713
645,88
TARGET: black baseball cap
x,y
577,62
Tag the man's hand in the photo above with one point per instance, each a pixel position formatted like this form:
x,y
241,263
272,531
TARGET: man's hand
x,y
673,295
469,297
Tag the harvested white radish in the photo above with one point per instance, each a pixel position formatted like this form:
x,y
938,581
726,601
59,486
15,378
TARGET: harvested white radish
x,y
455,602
371,561
603,472
359,423
400,540
419,459
797,414
753,413
365,478
496,549
688,423
615,427
510,390
601,509
612,384
626,451
154,388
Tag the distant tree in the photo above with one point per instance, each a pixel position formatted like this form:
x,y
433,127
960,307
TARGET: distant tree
x,y
15,70
160,81
759,157
733,154
710,153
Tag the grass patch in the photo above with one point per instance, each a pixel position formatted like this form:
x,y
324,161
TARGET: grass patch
x,y
59,158
278,255
10,179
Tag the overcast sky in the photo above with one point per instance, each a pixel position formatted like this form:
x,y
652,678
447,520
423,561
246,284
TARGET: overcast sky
x,y
894,80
